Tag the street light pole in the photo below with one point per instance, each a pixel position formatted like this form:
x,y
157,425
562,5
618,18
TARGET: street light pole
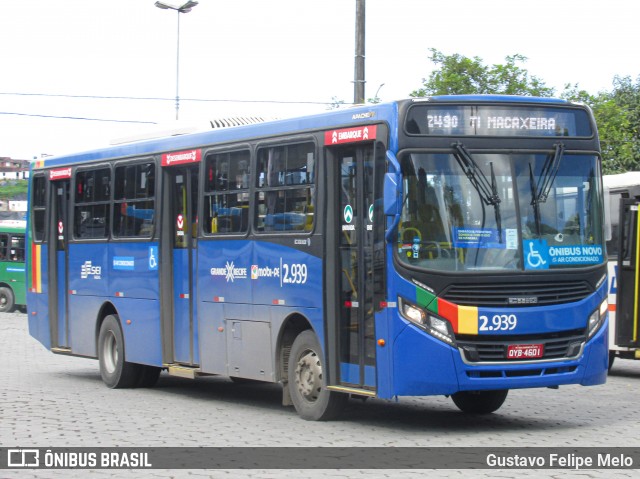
x,y
358,89
184,8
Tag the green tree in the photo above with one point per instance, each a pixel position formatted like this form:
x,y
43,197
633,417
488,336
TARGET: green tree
x,y
617,115
459,75
11,189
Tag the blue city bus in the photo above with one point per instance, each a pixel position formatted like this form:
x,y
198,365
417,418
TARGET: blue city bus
x,y
450,245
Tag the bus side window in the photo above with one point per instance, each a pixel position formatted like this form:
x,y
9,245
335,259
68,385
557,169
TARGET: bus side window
x,y
286,195
4,241
17,248
227,192
134,200
91,217
614,218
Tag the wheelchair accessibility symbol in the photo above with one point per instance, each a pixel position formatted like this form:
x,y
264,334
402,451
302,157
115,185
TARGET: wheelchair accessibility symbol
x,y
153,258
536,254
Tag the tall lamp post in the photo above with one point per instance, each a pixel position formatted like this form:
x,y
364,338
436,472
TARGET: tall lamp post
x,y
358,90
184,8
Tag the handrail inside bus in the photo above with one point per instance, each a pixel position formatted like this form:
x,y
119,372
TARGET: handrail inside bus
x,y
392,195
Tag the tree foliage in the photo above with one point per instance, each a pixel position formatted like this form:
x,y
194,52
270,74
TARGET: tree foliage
x,y
460,75
617,112
617,116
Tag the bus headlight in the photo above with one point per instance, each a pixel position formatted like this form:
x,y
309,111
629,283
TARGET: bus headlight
x,y
437,327
597,318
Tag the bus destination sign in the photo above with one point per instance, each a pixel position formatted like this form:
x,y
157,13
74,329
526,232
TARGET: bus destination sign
x,y
487,120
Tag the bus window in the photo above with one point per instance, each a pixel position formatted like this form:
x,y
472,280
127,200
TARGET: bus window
x,y
16,249
227,192
614,218
39,187
134,200
92,203
286,197
4,242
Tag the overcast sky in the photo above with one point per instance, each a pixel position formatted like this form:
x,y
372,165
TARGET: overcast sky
x,y
271,51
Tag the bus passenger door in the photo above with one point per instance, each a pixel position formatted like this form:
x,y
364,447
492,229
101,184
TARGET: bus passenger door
x,y
58,264
628,287
181,189
355,270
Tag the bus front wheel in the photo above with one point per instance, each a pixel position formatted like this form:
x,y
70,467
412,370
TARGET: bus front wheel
x,y
480,402
7,300
115,371
309,395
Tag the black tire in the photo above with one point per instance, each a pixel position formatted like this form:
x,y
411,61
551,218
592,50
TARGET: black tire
x,y
313,402
7,300
115,371
148,376
480,402
612,357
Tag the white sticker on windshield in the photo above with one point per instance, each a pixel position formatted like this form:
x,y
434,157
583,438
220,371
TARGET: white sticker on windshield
x,y
511,238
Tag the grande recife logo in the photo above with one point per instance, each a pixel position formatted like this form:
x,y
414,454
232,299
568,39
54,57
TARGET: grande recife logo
x,y
230,272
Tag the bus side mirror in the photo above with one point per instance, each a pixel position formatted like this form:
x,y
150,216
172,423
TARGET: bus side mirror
x,y
391,195
392,202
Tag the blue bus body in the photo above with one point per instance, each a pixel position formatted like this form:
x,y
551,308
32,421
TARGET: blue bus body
x,y
238,301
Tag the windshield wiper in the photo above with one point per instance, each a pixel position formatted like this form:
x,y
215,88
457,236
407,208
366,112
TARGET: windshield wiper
x,y
548,174
488,192
534,201
540,190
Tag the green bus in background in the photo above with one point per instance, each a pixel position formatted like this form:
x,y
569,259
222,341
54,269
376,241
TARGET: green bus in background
x,y
12,269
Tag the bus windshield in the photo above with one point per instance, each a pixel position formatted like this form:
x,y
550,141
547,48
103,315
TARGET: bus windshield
x,y
500,211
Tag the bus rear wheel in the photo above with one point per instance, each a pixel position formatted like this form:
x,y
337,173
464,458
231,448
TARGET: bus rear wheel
x,y
115,371
480,402
307,386
7,300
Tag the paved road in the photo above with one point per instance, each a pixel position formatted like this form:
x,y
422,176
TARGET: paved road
x,y
49,400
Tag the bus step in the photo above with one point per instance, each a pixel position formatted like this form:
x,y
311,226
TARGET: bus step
x,y
59,350
354,391
183,371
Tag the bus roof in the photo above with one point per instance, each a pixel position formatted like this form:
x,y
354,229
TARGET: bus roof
x,y
328,120
499,99
621,180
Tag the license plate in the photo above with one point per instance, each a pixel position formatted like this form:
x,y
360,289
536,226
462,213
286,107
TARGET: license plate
x,y
525,351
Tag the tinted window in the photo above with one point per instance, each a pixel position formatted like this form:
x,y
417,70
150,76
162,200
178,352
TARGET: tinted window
x,y
285,198
134,200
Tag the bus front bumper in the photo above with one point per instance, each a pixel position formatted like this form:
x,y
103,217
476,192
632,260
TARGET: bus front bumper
x,y
423,365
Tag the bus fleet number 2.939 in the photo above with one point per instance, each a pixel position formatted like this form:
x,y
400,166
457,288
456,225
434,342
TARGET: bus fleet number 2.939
x,y
499,322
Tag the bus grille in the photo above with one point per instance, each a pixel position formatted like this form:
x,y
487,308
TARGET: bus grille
x,y
478,351
517,295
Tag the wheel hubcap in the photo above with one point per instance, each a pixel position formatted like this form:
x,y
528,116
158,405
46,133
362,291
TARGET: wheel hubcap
x,y
110,353
309,376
